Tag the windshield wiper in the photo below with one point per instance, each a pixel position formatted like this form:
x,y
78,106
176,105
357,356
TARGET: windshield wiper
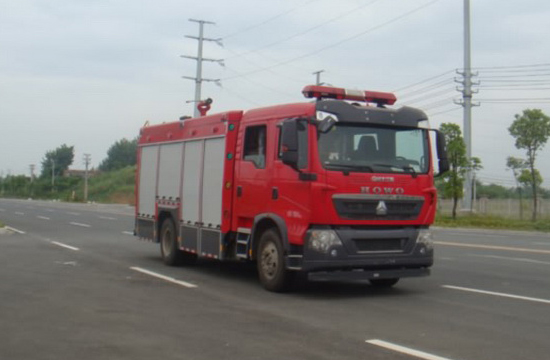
x,y
411,170
406,168
344,167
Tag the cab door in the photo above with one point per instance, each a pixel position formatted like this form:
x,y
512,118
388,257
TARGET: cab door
x,y
293,186
254,170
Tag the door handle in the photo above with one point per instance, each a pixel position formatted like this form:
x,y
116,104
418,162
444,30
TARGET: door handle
x,y
274,193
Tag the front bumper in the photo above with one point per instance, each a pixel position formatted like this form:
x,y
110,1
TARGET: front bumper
x,y
392,251
358,275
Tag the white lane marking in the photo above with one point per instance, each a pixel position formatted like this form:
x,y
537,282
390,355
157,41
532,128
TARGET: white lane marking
x,y
79,224
73,213
492,247
405,350
484,292
106,218
64,245
512,259
71,263
163,277
128,233
43,217
476,234
19,213
15,230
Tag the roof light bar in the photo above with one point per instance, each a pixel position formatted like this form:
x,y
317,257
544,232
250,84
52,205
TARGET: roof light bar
x,y
328,92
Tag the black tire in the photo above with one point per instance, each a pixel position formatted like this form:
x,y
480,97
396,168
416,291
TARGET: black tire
x,y
383,283
171,254
271,263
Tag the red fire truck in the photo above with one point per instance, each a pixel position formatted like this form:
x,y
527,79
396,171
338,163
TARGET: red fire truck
x,y
341,187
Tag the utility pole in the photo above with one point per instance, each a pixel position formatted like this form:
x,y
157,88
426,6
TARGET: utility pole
x,y
87,160
318,77
199,59
31,192
467,104
53,173
32,167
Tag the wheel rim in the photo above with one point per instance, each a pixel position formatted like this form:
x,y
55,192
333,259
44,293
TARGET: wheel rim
x,y
167,242
269,260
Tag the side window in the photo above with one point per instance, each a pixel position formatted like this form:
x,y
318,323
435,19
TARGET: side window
x,y
254,145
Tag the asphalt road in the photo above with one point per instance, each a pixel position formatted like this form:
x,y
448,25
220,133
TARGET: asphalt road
x,y
75,284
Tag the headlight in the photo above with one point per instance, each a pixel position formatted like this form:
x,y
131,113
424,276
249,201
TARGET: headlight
x,y
425,237
322,240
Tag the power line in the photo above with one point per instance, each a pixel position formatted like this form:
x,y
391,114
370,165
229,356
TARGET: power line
x,y
516,76
353,10
268,19
529,81
257,83
436,104
515,99
430,95
279,75
243,98
400,17
436,85
444,112
423,81
510,66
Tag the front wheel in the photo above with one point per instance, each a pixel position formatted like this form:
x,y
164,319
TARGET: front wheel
x,y
271,263
383,283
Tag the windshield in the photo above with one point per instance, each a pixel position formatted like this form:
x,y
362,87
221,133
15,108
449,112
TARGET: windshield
x,y
348,147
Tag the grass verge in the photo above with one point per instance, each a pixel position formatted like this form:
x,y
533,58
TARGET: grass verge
x,y
492,222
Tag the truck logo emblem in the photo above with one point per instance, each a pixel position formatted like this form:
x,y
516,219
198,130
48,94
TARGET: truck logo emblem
x,y
378,190
382,179
381,209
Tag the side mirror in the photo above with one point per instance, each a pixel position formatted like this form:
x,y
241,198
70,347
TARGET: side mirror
x,y
326,124
441,153
289,143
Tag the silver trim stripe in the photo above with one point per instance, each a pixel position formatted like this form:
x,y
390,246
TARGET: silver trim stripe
x,y
376,197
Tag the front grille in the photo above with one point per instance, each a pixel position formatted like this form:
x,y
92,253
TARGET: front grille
x,y
358,207
371,245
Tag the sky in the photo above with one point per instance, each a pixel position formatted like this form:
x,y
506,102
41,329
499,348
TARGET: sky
x,y
88,73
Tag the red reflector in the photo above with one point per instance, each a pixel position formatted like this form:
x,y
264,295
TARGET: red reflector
x,y
327,92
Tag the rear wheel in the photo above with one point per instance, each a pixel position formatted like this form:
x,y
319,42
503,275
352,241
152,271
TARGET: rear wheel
x,y
271,263
171,254
383,283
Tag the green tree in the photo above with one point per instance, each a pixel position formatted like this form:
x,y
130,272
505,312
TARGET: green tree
x,y
517,166
456,153
121,154
474,166
493,191
525,178
60,159
531,131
